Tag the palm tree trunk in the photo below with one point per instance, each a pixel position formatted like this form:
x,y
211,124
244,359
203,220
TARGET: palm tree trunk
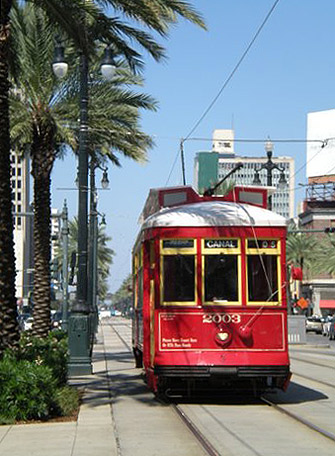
x,y
42,153
9,332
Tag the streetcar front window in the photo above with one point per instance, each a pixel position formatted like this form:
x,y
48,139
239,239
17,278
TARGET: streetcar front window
x,y
179,278
263,278
221,278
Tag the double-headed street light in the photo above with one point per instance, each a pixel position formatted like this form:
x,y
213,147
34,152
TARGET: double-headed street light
x,y
80,362
269,166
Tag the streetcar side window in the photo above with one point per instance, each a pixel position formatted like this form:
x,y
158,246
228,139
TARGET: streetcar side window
x,y
178,272
263,272
179,278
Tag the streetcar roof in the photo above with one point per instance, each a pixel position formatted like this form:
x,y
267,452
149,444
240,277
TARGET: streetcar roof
x,y
214,213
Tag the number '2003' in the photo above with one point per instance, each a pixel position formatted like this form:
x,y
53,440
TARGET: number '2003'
x,y
221,318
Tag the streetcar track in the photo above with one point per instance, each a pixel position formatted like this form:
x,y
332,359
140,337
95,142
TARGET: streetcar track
x,y
205,444
312,362
125,343
299,419
314,380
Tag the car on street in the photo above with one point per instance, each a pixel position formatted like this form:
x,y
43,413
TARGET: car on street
x,y
314,323
331,333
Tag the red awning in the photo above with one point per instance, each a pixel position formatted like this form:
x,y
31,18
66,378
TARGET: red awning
x,y
327,303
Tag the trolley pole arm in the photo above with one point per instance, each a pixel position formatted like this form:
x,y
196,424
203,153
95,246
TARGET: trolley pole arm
x,y
210,191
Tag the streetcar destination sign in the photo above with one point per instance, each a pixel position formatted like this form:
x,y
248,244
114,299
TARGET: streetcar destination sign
x,y
221,243
262,244
178,243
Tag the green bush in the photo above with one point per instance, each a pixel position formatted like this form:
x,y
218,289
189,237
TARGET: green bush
x,y
51,351
27,390
66,401
33,380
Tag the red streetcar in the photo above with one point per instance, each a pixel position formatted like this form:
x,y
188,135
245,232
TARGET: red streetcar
x,y
210,292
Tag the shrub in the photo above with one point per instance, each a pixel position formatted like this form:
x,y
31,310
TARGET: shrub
x,y
66,401
27,390
51,351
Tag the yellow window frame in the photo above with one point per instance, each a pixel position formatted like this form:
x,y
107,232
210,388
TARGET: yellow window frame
x,y
178,251
222,251
267,251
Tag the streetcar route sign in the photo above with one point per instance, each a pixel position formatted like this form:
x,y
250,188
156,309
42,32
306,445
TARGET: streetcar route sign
x,y
221,243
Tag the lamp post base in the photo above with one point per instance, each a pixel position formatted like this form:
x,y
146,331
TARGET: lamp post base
x,y
80,362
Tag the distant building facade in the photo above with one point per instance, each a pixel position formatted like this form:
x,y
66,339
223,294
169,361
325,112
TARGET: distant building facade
x,y
23,223
211,166
319,213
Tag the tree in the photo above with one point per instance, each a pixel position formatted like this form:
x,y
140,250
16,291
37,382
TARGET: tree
x,y
122,299
302,249
66,14
104,253
43,117
84,22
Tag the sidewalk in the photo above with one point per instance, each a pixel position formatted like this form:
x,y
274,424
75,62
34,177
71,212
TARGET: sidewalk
x,y
91,435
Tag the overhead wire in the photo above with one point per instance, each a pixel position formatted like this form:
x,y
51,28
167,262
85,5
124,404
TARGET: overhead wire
x,y
229,78
234,69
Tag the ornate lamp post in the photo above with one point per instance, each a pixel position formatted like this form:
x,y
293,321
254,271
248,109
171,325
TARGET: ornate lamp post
x,y
270,166
80,362
92,244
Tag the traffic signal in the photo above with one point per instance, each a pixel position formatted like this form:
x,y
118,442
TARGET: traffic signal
x,y
54,269
330,230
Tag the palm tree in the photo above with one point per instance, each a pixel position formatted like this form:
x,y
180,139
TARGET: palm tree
x,y
66,13
302,249
43,116
326,260
104,254
84,22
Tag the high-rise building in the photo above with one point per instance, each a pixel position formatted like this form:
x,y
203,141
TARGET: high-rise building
x,y
23,222
212,166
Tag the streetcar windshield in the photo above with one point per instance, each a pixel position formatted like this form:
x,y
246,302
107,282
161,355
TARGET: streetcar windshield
x,y
221,278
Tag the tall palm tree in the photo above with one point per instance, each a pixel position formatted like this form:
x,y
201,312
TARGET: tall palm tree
x,y
72,16
66,13
44,115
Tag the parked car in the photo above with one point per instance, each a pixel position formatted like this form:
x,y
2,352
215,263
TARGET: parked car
x,y
314,323
331,333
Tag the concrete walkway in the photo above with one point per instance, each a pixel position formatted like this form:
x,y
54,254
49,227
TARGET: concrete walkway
x,y
91,435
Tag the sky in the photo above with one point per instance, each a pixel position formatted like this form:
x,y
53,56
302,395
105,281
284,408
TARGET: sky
x,y
288,72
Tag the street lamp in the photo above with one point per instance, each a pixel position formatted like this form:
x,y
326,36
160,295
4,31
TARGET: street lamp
x,y
92,244
80,362
269,166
